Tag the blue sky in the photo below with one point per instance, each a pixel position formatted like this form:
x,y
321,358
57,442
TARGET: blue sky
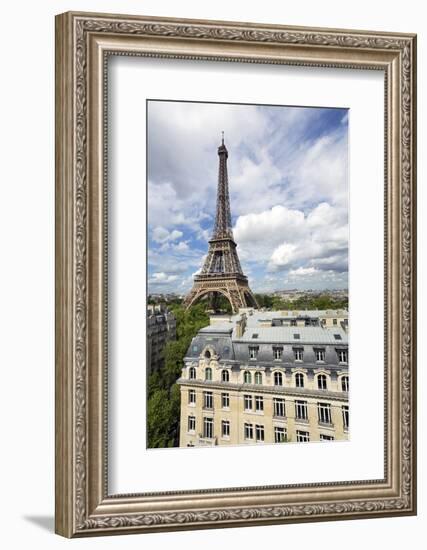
x,y
288,180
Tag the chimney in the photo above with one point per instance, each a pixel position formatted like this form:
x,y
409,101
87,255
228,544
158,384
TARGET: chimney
x,y
241,325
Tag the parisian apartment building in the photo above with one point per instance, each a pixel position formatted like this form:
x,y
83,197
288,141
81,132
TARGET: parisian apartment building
x,y
161,328
266,377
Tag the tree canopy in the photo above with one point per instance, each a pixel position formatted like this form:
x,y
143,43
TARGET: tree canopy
x,y
163,406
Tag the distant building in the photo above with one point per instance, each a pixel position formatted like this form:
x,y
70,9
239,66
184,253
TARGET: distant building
x,y
161,328
266,377
293,295
168,297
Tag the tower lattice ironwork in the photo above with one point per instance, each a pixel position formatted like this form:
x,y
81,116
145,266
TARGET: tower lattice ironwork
x,y
222,273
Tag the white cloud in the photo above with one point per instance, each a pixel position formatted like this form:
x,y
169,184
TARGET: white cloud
x,y
319,171
162,235
303,272
269,161
289,239
284,255
270,226
316,278
162,278
182,246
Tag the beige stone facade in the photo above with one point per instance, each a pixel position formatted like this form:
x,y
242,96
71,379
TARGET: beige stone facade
x,y
248,381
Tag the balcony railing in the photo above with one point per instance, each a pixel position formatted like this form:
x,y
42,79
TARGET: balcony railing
x,y
207,441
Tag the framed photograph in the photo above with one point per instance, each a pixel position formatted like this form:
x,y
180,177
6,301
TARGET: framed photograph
x,y
235,274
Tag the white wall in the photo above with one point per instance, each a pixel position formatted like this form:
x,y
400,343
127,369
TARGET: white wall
x,y
27,267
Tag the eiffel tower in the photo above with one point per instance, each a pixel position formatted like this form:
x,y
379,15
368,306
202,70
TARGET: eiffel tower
x,y
221,273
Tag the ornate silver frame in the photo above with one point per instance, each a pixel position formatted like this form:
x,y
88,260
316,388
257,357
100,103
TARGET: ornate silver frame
x,y
83,505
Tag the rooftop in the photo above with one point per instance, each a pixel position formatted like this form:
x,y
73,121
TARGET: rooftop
x,y
294,335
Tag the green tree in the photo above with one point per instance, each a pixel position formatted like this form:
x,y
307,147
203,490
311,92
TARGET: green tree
x,y
159,420
163,407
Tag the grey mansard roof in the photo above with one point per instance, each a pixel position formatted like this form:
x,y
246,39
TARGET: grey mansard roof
x,y
222,337
294,335
221,342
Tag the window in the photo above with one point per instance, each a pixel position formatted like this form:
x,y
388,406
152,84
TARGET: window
x,y
191,423
322,382
279,407
259,432
299,380
337,336
303,436
277,353
225,400
335,321
293,322
225,428
258,378
255,335
320,355
208,428
342,355
345,417
208,374
225,376
249,431
301,410
247,377
297,336
344,383
253,352
207,354
259,403
298,354
278,379
324,413
192,397
208,400
247,399
279,434
324,437
192,373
